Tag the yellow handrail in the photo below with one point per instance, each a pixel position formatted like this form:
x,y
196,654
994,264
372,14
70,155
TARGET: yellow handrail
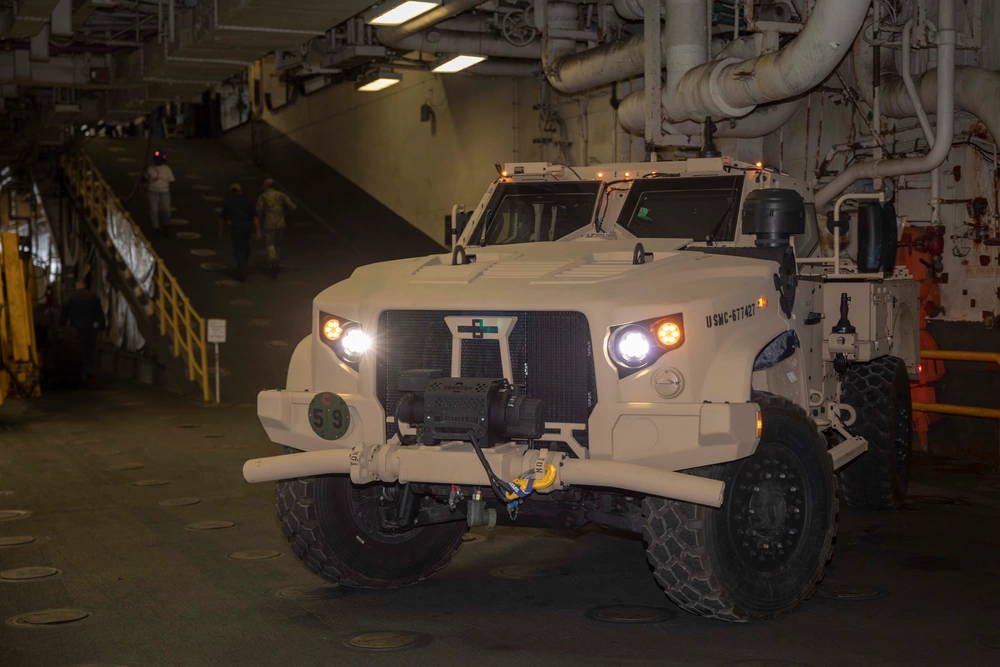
x,y
962,410
961,355
178,320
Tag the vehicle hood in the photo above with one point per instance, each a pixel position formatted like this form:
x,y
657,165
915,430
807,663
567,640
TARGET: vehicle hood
x,y
561,275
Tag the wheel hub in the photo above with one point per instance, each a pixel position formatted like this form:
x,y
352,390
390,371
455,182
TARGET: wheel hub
x,y
768,509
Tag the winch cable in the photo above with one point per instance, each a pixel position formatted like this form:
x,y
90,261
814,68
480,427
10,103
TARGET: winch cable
x,y
499,486
512,493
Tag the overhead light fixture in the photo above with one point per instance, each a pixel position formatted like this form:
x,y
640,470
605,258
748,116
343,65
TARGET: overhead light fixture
x,y
457,64
378,80
401,12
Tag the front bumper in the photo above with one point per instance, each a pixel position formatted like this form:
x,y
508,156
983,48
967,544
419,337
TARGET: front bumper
x,y
650,443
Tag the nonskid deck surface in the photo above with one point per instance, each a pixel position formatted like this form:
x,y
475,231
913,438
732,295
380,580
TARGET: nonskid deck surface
x,y
323,244
118,483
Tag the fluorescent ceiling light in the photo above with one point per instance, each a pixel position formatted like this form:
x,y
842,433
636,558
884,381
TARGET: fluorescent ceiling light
x,y
378,81
457,64
402,12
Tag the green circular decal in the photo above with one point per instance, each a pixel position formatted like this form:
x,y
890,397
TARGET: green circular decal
x,y
329,416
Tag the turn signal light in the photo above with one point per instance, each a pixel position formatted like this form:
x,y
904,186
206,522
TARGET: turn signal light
x,y
760,425
668,333
333,329
762,302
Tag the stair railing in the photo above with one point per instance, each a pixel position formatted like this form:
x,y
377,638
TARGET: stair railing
x,y
179,322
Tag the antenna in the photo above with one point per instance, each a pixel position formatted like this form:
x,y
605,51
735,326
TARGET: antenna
x,y
708,148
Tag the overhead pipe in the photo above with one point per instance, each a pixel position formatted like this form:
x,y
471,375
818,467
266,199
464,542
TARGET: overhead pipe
x,y
390,35
599,66
977,90
440,41
621,60
731,88
925,123
945,108
630,10
684,45
517,68
625,59
763,121
558,21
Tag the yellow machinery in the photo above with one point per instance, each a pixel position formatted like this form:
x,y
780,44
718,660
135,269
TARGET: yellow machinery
x,y
18,352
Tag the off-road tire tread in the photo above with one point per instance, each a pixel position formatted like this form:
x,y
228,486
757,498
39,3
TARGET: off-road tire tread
x,y
295,501
867,483
674,534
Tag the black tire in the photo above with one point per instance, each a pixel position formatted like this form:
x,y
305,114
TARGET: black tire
x,y
729,563
879,392
333,527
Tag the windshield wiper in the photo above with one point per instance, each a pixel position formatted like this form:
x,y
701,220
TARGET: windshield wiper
x,y
710,239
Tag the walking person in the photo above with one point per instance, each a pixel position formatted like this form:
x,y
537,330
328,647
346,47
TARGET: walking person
x,y
241,216
159,176
82,310
271,207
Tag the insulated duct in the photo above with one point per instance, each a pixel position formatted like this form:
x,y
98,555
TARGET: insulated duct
x,y
977,90
944,104
729,88
763,121
684,46
608,63
618,61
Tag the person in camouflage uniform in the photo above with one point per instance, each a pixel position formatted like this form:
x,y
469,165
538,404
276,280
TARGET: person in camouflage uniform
x,y
271,207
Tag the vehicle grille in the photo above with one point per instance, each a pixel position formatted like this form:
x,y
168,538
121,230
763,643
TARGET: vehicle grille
x,y
551,357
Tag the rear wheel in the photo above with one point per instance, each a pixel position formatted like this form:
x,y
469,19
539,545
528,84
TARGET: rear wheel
x,y
339,531
879,392
764,550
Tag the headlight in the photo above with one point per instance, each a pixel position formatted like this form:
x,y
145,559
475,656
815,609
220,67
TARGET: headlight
x,y
346,338
632,345
355,342
637,345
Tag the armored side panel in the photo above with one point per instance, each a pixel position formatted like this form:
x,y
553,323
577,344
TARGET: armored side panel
x,y
883,315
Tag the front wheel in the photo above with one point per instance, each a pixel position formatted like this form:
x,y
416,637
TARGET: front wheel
x,y
338,530
765,549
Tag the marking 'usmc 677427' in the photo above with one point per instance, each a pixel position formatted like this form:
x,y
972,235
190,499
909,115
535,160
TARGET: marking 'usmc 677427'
x,y
725,317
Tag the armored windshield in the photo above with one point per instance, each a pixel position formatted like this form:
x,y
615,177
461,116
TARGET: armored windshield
x,y
695,208
529,212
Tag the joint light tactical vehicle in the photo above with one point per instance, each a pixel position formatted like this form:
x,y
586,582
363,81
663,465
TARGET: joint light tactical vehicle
x,y
658,347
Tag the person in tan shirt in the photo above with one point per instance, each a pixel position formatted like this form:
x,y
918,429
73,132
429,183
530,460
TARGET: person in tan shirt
x,y
158,178
271,207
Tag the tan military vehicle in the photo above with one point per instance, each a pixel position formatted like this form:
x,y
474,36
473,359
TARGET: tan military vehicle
x,y
664,348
